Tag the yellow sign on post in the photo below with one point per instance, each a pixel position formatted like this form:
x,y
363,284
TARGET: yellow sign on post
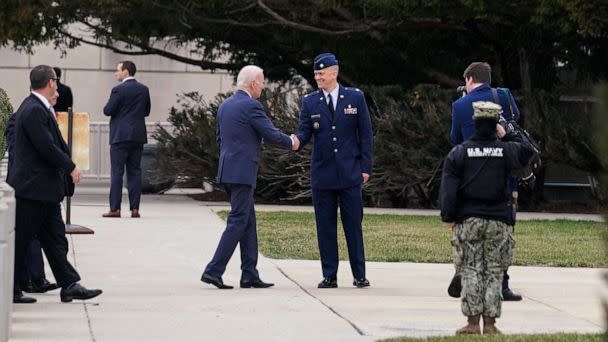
x,y
76,135
80,137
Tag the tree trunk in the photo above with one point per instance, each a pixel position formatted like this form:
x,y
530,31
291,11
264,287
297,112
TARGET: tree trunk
x,y
524,72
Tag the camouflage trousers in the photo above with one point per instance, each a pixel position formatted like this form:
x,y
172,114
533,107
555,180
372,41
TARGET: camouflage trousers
x,y
483,250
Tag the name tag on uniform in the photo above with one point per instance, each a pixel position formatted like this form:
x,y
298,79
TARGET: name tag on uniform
x,y
350,110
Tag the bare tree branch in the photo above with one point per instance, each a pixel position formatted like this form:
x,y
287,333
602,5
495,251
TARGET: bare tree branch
x,y
307,28
244,9
205,65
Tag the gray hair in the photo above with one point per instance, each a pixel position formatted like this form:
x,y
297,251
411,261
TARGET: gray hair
x,y
247,75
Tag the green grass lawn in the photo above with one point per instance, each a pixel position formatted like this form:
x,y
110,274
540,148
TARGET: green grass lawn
x,y
512,338
291,235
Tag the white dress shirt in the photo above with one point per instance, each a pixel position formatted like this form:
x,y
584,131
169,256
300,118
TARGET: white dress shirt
x,y
46,103
334,95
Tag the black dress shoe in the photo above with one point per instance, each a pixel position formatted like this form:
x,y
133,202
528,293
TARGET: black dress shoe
x,y
258,284
455,287
77,291
216,281
19,298
363,282
510,296
40,286
328,283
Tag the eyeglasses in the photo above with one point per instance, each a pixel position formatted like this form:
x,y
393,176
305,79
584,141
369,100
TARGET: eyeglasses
x,y
55,79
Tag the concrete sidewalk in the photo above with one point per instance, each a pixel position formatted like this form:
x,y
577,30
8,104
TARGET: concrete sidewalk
x,y
149,269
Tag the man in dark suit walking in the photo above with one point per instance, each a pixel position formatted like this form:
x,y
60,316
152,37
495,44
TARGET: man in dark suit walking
x,y
42,174
36,277
241,126
128,106
65,100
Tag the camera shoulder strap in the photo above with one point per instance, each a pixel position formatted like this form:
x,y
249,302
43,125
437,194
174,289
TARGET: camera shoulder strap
x,y
497,101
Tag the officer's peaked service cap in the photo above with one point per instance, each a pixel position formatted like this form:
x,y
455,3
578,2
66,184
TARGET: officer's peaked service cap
x,y
325,60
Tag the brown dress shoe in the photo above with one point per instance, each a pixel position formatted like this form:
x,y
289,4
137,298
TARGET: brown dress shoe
x,y
135,213
115,213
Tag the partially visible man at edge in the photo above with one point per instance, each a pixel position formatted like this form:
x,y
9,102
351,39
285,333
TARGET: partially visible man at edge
x,y
42,174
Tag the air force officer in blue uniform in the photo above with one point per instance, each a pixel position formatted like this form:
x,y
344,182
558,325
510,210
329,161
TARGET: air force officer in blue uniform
x,y
338,121
241,126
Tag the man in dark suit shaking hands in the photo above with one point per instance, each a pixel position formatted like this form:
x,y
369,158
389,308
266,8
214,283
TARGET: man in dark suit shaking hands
x,y
241,126
128,106
42,174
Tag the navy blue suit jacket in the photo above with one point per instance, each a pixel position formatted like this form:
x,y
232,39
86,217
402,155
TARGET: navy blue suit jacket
x,y
128,106
241,125
343,142
463,125
40,167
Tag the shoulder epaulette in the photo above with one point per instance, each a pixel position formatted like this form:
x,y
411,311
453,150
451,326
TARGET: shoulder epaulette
x,y
314,92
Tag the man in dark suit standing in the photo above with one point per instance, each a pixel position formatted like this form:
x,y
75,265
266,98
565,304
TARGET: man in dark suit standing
x,y
241,126
128,106
42,174
65,99
342,156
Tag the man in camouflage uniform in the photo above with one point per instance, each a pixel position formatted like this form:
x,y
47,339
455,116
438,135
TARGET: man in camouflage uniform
x,y
474,202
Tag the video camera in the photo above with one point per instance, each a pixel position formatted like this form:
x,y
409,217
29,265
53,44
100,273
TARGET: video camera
x,y
461,89
525,176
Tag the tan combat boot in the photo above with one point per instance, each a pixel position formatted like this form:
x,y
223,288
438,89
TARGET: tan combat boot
x,y
488,326
472,328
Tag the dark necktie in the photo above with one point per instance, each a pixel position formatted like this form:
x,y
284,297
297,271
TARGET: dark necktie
x,y
330,104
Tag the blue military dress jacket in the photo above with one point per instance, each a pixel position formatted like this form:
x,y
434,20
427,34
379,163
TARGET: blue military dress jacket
x,y
343,142
241,125
463,125
128,106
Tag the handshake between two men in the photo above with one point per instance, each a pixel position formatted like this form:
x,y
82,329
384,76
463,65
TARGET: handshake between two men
x,y
295,142
337,120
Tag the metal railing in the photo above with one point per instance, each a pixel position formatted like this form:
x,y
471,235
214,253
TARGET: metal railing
x,y
99,147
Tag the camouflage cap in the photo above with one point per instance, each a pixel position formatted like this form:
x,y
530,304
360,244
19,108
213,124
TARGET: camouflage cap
x,y
486,110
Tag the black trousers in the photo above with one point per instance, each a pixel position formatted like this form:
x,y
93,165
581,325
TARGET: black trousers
x,y
42,219
35,263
